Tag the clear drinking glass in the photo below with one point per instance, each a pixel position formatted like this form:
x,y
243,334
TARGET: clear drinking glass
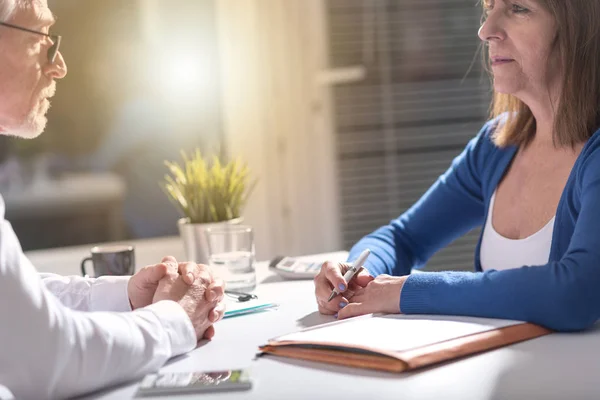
x,y
231,255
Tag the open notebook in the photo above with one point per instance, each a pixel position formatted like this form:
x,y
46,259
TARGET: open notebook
x,y
399,343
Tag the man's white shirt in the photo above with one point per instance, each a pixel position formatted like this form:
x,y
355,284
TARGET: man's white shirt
x,y
64,336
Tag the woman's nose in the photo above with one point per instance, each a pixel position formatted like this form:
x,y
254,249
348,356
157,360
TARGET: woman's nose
x,y
492,28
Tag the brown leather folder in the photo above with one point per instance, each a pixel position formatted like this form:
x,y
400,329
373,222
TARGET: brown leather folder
x,y
406,360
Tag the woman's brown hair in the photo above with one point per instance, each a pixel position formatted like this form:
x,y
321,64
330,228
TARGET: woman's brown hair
x,y
578,108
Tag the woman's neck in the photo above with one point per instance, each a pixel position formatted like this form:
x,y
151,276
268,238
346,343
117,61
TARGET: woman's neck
x,y
544,111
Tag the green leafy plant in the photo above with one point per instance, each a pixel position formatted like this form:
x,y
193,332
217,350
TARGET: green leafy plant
x,y
208,190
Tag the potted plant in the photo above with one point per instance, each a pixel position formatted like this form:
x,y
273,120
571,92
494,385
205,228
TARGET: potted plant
x,y
208,192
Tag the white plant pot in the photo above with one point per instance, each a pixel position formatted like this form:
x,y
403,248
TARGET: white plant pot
x,y
194,238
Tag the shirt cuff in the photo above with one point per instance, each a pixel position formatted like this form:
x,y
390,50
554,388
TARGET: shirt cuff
x,y
177,324
109,293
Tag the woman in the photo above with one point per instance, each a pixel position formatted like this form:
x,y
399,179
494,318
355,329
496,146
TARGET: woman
x,y
531,177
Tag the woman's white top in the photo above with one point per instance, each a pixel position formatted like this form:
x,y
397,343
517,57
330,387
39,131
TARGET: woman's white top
x,y
498,252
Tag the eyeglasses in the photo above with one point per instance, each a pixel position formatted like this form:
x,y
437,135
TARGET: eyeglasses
x,y
52,51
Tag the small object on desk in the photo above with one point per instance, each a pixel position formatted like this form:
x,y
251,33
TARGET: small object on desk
x,y
194,382
240,303
241,296
354,269
294,268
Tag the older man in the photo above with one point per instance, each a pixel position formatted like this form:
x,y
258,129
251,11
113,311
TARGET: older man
x,y
51,343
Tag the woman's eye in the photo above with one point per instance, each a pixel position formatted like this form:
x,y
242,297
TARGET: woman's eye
x,y
517,9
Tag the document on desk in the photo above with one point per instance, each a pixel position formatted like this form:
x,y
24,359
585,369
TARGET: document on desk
x,y
400,342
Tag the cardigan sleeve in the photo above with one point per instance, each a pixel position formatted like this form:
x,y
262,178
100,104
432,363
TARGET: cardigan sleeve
x,y
563,295
450,208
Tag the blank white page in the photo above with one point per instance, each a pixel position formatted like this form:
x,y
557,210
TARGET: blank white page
x,y
396,332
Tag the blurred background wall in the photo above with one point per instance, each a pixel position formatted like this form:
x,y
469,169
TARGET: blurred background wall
x,y
346,111
143,83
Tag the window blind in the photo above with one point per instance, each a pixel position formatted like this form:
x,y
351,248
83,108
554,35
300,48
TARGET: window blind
x,y
425,95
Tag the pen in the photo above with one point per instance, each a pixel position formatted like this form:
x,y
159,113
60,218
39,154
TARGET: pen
x,y
356,266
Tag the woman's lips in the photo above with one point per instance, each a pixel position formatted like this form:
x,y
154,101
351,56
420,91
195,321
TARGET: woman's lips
x,y
496,61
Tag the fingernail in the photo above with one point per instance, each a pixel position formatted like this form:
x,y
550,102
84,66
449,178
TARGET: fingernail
x,y
191,276
342,286
343,304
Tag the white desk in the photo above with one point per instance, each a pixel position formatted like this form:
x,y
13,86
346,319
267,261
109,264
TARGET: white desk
x,y
559,366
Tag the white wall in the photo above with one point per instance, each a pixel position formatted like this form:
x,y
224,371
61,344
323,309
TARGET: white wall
x,y
278,119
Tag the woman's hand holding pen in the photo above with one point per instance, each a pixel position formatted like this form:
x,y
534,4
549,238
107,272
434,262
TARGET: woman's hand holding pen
x,y
381,295
332,276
